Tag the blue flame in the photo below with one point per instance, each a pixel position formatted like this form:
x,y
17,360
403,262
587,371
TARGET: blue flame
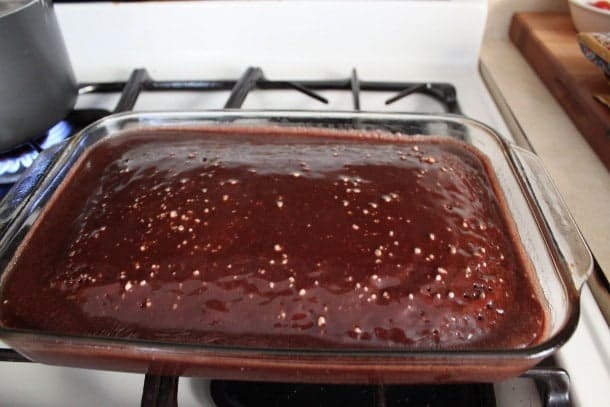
x,y
12,165
56,134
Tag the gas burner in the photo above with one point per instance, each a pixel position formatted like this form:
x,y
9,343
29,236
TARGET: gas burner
x,y
15,162
255,394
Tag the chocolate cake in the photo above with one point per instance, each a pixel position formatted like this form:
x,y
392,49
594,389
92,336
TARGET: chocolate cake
x,y
278,238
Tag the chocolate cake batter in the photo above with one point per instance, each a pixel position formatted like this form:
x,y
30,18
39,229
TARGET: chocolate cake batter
x,y
277,239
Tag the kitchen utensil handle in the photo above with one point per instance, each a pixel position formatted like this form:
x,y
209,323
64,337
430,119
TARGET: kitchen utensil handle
x,y
556,215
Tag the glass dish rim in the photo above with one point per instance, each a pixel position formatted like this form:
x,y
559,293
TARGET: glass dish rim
x,y
186,118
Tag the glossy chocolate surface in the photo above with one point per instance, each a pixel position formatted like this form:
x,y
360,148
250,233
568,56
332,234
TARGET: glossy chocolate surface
x,y
273,240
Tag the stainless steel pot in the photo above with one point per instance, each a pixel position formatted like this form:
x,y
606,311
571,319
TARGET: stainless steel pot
x,y
37,85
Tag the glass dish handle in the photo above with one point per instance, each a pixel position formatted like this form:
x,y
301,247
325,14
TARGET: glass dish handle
x,y
20,193
556,215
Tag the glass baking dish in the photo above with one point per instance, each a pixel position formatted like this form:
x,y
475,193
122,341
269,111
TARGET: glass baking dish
x,y
547,231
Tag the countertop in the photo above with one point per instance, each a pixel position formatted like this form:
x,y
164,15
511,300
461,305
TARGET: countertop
x,y
578,173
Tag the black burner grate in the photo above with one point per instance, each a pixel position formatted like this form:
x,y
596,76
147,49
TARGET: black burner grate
x,y
161,391
553,384
253,78
255,394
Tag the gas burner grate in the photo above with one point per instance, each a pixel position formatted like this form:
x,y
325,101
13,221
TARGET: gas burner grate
x,y
254,78
257,394
15,162
553,382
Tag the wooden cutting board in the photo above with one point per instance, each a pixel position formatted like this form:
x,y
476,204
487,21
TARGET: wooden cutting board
x,y
548,42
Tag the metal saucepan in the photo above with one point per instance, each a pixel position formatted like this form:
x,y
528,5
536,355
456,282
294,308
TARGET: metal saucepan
x,y
37,85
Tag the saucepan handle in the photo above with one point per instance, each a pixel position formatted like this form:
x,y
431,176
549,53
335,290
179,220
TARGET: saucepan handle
x,y
564,232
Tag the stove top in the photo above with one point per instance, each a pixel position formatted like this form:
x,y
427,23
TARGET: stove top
x,y
408,41
426,97
543,385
